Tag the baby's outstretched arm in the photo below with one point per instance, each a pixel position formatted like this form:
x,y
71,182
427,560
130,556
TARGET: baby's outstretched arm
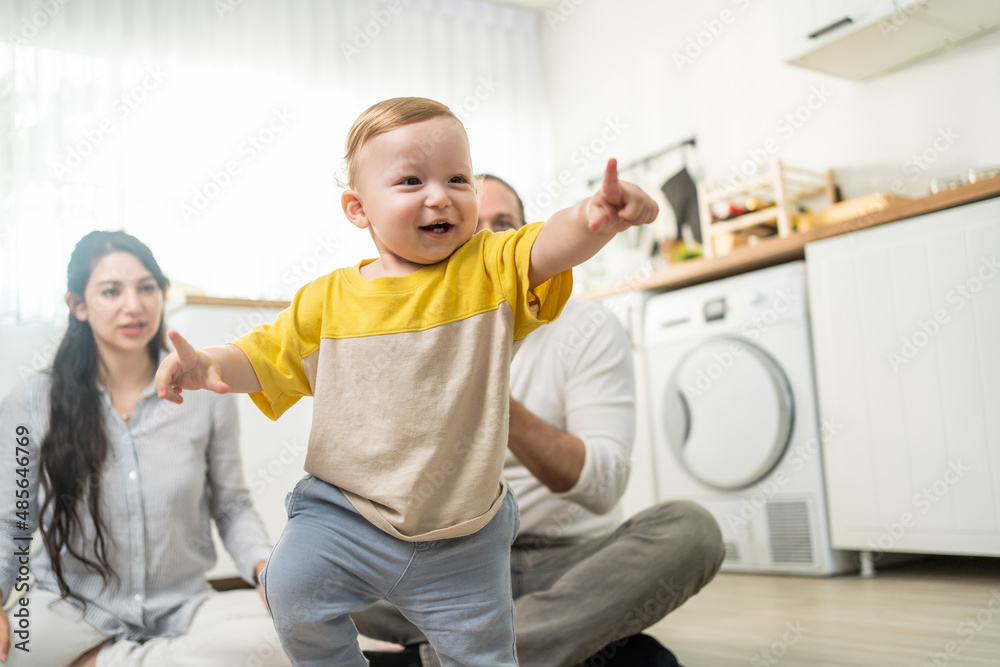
x,y
574,235
220,369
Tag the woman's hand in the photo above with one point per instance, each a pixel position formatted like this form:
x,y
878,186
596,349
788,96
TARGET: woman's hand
x,y
260,587
4,635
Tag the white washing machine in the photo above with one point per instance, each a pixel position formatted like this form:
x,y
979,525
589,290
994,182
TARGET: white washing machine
x,y
734,420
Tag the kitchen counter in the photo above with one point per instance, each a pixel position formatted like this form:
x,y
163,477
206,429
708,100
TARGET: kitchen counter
x,y
775,250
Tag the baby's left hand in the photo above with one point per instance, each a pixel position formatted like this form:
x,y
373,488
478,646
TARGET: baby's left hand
x,y
619,205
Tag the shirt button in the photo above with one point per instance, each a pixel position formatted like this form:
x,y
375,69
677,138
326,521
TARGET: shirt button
x,y
138,598
132,475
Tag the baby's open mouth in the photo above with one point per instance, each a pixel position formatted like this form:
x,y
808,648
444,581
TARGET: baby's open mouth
x,y
437,227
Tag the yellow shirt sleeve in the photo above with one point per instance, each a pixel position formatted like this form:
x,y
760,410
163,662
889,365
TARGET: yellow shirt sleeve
x,y
508,257
278,351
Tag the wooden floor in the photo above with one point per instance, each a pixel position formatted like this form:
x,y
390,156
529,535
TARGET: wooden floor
x,y
935,613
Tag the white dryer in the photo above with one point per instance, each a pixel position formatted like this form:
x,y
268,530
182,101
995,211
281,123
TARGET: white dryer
x,y
734,420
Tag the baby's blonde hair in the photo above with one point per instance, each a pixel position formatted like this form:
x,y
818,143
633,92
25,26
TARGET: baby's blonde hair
x,y
385,116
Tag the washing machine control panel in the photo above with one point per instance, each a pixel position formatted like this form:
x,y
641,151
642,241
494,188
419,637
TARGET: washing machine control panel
x,y
777,294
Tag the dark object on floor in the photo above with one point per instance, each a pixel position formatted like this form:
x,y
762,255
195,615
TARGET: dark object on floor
x,y
682,194
408,657
634,651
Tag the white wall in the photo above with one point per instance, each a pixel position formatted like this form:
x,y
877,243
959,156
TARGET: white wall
x,y
618,59
26,349
619,63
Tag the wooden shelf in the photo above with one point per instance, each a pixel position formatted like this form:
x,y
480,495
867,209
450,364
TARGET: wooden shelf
x,y
778,250
762,216
784,184
196,300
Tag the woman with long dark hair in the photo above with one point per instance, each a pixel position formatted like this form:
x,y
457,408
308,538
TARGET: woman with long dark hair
x,y
124,489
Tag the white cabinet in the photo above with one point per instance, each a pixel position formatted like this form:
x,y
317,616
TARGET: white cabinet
x,y
805,25
860,39
906,331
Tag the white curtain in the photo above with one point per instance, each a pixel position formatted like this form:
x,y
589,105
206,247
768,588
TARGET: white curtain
x,y
213,130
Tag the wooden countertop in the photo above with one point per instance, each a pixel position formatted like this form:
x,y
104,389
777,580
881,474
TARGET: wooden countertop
x,y
775,250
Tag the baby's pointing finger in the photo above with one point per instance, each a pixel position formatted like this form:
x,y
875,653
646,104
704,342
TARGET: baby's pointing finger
x,y
611,187
185,352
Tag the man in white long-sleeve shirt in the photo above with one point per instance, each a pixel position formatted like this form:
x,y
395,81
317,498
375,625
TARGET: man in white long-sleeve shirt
x,y
585,584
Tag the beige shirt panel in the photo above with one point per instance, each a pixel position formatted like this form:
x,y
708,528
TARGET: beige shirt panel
x,y
434,456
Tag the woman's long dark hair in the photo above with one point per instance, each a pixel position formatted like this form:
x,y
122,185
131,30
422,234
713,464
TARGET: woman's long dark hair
x,y
76,446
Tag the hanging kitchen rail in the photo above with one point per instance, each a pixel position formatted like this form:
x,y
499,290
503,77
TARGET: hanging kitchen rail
x,y
649,158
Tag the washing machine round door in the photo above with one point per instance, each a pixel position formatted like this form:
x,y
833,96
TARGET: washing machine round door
x,y
728,412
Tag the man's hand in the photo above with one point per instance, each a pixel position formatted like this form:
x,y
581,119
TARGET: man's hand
x,y
187,368
619,205
554,457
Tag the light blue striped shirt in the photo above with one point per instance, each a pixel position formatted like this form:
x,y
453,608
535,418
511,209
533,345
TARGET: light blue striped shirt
x,y
168,474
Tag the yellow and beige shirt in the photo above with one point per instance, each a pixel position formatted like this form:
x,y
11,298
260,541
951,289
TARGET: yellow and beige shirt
x,y
411,381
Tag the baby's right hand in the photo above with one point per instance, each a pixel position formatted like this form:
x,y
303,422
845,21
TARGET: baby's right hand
x,y
187,368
